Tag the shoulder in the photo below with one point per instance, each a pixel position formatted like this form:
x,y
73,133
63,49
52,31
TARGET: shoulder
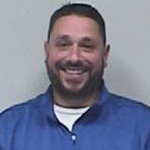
x,y
127,103
131,109
18,111
20,117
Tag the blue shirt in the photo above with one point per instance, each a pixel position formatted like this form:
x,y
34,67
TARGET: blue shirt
x,y
113,123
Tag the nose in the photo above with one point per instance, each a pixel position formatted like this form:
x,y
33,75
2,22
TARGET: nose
x,y
74,54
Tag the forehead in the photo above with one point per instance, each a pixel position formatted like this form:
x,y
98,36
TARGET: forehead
x,y
75,26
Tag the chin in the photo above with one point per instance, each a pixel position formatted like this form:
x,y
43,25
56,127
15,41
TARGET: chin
x,y
73,91
74,87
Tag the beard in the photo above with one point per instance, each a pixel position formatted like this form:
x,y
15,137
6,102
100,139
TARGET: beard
x,y
92,84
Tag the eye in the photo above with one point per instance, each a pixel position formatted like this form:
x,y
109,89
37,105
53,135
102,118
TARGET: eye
x,y
62,43
88,44
88,47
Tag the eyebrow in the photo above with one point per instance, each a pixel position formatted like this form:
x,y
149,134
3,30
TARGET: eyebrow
x,y
88,40
63,37
66,37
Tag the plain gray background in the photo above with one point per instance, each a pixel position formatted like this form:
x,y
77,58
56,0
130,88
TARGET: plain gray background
x,y
23,30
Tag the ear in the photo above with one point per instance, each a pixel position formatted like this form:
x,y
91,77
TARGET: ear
x,y
46,48
106,54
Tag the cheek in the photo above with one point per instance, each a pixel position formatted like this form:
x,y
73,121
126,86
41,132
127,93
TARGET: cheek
x,y
95,59
97,62
53,57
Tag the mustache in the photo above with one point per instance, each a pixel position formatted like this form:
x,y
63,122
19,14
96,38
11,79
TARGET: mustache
x,y
70,65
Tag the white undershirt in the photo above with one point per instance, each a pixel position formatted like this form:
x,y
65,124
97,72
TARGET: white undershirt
x,y
68,116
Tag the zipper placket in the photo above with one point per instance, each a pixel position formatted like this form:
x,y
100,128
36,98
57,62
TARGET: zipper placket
x,y
74,139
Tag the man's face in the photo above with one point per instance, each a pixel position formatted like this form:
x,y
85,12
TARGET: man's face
x,y
75,55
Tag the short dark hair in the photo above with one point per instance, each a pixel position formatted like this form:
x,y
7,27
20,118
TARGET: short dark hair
x,y
79,9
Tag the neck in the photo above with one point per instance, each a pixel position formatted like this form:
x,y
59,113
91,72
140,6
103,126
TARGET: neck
x,y
74,101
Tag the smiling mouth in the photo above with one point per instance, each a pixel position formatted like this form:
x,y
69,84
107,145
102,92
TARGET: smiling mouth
x,y
74,70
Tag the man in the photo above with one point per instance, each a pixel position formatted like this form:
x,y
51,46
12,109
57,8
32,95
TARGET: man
x,y
77,112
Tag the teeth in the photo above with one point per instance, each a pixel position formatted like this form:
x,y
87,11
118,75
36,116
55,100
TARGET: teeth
x,y
74,71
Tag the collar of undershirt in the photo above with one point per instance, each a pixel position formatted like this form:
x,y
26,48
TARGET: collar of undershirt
x,y
71,111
